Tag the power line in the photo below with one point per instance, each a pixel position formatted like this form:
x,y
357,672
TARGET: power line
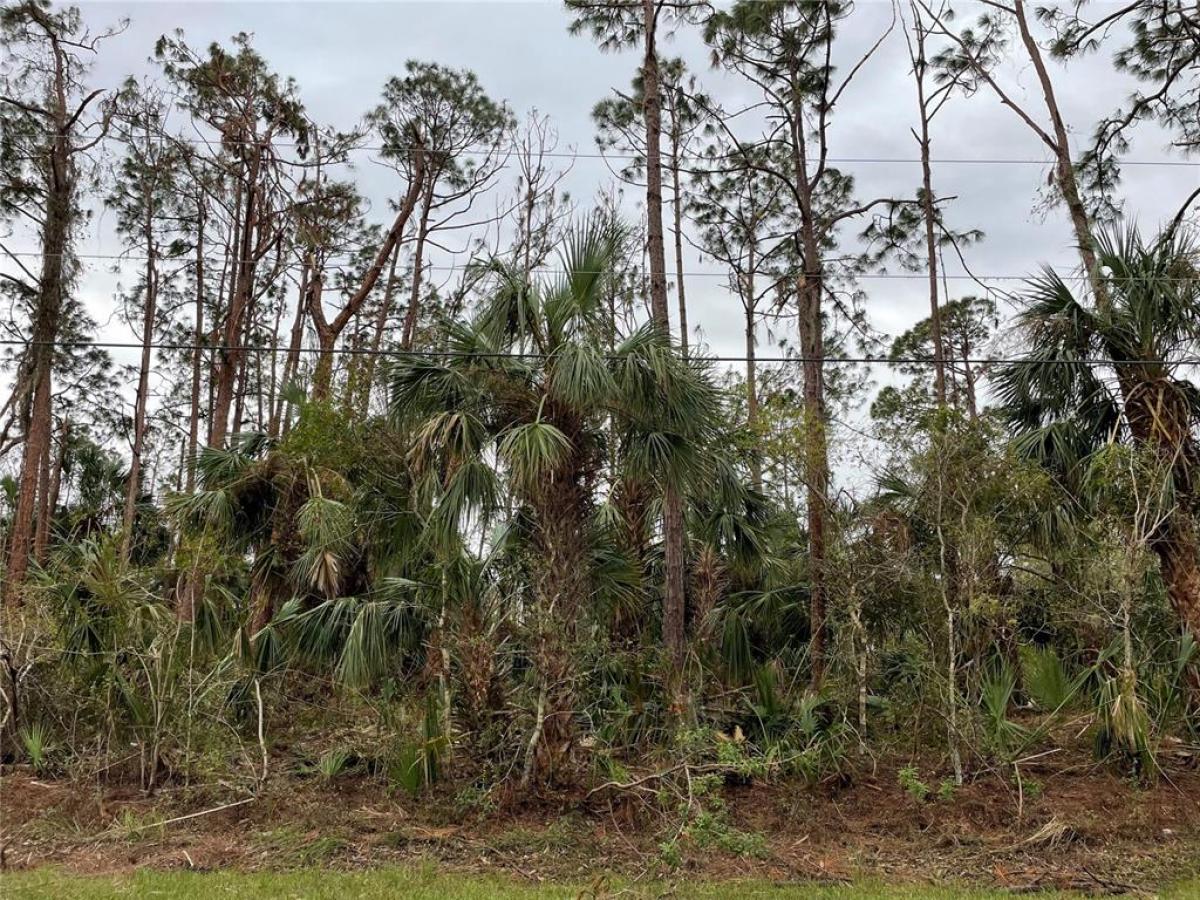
x,y
546,270
636,157
463,354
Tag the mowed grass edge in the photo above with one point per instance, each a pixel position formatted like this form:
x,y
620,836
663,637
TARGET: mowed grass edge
x,y
430,882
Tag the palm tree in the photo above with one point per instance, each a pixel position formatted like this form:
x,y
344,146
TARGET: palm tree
x,y
1065,408
324,513
538,398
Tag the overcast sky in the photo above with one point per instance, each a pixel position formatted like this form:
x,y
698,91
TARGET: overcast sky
x,y
340,54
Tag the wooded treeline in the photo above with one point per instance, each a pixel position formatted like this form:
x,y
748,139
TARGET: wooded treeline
x,y
514,518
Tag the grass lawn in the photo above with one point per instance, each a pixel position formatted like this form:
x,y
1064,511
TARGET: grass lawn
x,y
428,882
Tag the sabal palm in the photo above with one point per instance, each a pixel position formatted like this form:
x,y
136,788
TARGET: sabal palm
x,y
305,525
1064,408
537,392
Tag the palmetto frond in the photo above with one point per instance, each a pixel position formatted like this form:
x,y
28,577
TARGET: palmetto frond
x,y
365,638
534,451
451,435
220,466
588,260
579,376
471,487
423,384
512,315
205,509
327,527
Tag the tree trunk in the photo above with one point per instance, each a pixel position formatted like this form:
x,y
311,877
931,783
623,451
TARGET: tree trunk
x,y
381,318
193,443
149,311
810,295
46,519
928,213
1179,557
674,561
231,356
55,233
41,535
1064,170
409,335
816,462
323,373
292,364
752,373
328,332
652,113
678,235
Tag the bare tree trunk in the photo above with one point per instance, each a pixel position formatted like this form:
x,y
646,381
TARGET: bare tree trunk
x,y
193,443
55,233
928,213
414,300
969,381
54,486
816,459
1064,169
678,234
231,356
381,318
810,295
239,395
292,363
41,533
228,272
328,332
675,563
749,304
652,113
326,338
149,312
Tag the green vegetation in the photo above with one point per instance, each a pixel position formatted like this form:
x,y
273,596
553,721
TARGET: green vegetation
x,y
487,529
430,883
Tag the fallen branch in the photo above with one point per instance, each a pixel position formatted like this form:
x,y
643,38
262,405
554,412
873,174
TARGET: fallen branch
x,y
656,776
195,815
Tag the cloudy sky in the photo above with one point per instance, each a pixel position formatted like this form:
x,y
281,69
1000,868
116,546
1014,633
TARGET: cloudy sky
x,y
340,54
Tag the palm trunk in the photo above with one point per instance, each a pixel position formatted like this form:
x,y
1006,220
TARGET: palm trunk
x,y
1179,558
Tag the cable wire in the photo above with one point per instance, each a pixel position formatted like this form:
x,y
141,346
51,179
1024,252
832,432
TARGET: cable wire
x,y
462,354
546,270
637,157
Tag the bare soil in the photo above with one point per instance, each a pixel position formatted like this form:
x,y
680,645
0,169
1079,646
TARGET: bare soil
x,y
1072,824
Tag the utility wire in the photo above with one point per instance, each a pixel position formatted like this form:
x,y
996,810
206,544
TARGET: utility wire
x,y
636,157
463,354
543,270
